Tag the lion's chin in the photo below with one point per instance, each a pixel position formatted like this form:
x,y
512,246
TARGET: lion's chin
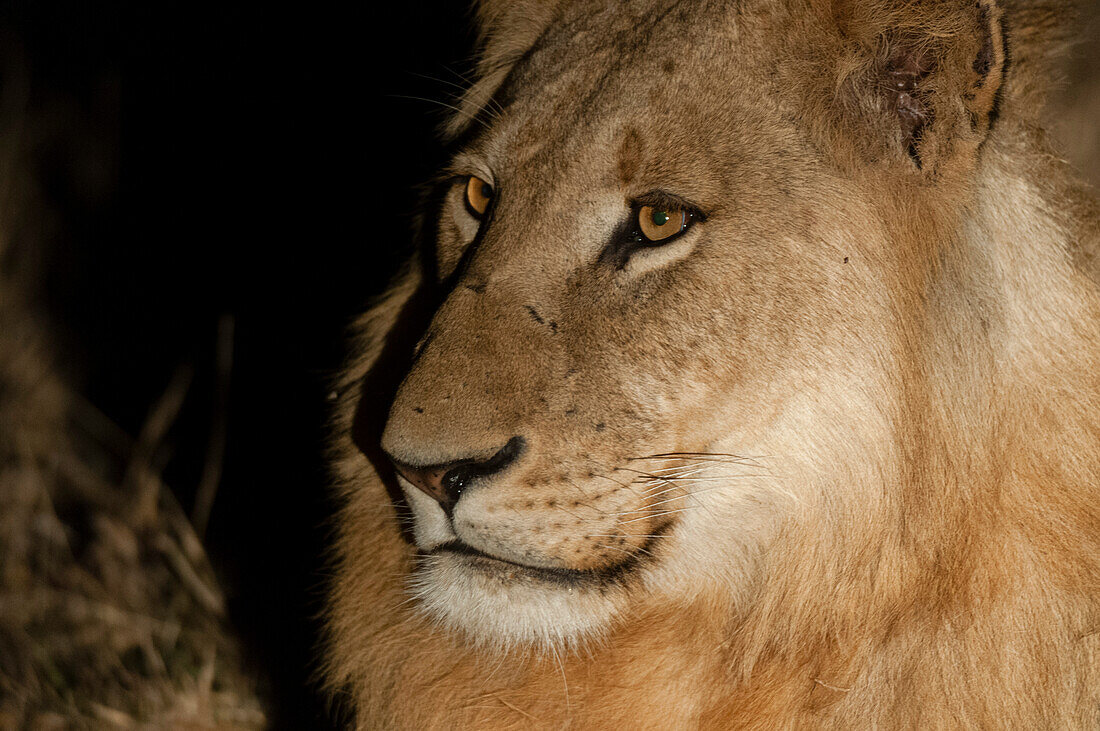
x,y
504,606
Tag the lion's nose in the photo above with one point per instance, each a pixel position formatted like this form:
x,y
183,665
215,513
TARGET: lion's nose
x,y
445,482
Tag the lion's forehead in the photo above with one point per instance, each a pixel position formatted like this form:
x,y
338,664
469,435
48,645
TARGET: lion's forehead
x,y
605,66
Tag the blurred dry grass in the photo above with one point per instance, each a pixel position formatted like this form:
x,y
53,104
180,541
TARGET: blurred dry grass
x,y
109,612
110,615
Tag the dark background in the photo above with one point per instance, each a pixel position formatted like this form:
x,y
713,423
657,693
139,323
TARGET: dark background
x,y
203,159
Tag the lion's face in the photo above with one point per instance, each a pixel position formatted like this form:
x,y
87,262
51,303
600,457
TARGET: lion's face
x,y
610,417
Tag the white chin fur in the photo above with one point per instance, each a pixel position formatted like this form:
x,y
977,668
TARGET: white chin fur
x,y
503,612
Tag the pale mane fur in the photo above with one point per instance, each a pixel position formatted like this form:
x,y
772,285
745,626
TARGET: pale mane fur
x,y
893,522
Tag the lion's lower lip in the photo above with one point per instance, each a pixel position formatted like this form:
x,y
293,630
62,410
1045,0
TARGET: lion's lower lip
x,y
555,574
604,575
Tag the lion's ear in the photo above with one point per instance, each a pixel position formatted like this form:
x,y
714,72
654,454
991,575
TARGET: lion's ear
x,y
934,74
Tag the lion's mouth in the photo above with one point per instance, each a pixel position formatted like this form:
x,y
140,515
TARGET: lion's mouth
x,y
480,560
615,573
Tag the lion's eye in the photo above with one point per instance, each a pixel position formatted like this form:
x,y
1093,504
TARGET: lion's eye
x,y
478,195
656,219
658,224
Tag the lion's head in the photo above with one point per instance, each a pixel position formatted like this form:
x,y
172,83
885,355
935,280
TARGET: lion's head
x,y
752,348
677,255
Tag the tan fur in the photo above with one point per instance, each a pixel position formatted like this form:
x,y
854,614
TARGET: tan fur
x,y
881,380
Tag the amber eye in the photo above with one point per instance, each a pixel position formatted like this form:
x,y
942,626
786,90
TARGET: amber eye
x,y
657,224
478,195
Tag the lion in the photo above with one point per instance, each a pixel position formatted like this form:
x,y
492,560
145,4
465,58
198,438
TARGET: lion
x,y
748,376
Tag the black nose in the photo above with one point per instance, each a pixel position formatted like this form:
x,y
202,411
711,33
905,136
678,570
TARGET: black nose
x,y
445,482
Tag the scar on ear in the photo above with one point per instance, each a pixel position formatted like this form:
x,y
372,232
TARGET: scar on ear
x,y
909,95
904,71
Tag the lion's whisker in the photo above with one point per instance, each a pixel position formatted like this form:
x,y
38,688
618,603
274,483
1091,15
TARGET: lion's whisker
x,y
483,100
701,457
620,484
657,515
614,548
666,490
725,478
658,490
470,85
669,500
570,512
468,116
578,488
693,493
694,455
639,472
669,480
632,554
683,469
676,468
